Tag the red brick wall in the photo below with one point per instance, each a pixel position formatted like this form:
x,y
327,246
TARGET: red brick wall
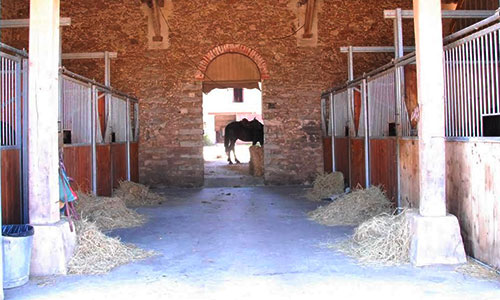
x,y
171,100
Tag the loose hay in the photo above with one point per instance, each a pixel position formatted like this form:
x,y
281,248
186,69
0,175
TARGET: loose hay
x,y
326,185
136,194
107,213
384,240
353,208
476,270
97,253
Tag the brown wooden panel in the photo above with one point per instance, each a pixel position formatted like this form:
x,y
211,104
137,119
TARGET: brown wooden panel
x,y
327,154
411,97
78,163
383,165
342,156
473,193
118,163
104,187
358,162
409,172
134,162
357,109
11,187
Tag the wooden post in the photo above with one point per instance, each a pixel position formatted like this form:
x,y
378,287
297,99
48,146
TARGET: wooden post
x,y
430,82
435,235
53,243
43,112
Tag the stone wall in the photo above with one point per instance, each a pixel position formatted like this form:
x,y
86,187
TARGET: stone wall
x,y
171,99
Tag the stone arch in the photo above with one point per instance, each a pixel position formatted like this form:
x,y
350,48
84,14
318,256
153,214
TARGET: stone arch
x,y
232,48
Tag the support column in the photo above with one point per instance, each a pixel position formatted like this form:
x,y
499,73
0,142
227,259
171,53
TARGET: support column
x,y
52,243
435,235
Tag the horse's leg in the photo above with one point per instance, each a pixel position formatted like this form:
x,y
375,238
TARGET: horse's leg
x,y
228,151
234,151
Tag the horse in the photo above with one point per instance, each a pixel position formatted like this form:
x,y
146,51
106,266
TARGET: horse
x,y
247,131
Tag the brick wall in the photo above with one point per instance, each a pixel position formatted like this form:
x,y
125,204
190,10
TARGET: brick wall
x,y
165,80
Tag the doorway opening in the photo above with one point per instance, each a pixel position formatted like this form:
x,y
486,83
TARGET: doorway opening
x,y
221,106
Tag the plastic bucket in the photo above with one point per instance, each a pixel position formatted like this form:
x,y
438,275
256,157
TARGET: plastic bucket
x,y
17,244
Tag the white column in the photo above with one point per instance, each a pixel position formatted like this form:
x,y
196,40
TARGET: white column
x,y
430,78
43,111
53,243
436,236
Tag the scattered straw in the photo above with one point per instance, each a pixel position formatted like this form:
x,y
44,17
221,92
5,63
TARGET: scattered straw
x,y
353,208
383,240
107,213
326,185
476,270
136,194
97,253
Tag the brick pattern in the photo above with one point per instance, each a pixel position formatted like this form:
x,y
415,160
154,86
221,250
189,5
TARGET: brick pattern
x,y
232,48
167,81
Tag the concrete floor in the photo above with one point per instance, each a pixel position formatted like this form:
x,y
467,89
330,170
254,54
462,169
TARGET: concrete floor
x,y
249,243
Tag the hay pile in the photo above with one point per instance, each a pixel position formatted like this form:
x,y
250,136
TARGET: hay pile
x,y
256,161
107,213
136,194
326,185
384,240
476,270
353,208
97,253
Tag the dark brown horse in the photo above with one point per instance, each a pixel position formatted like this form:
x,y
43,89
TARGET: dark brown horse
x,y
244,130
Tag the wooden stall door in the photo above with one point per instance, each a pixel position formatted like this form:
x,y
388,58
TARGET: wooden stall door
x,y
78,163
384,166
327,154
104,179
11,187
358,162
118,163
134,162
342,157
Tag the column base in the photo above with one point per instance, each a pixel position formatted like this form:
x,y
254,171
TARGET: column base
x,y
435,240
53,246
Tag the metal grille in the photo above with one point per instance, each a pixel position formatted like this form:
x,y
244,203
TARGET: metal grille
x,y
118,124
361,127
325,116
341,113
471,80
10,99
382,104
76,111
134,122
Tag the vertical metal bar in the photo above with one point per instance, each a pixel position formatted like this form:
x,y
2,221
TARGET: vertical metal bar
x,y
332,130
486,74
477,91
467,98
18,127
365,100
447,91
490,73
93,117
461,87
472,101
481,86
127,126
495,43
398,83
350,110
323,125
24,145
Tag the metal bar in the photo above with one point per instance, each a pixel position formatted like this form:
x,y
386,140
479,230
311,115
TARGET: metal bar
x,y
374,49
490,73
477,91
93,123
16,51
332,130
446,14
98,85
350,110
18,129
495,17
398,83
495,48
323,125
24,23
89,55
24,143
365,100
481,84
127,127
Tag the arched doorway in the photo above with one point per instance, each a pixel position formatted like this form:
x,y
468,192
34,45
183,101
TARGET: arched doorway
x,y
231,78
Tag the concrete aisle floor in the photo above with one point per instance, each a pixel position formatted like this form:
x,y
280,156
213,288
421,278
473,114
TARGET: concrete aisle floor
x,y
249,243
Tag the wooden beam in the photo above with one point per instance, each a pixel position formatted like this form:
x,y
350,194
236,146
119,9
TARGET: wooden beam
x,y
308,22
88,55
25,23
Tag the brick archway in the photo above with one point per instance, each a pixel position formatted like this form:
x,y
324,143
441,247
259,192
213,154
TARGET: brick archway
x,y
232,48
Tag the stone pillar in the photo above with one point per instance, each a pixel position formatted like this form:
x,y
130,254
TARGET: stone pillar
x,y
435,235
52,243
